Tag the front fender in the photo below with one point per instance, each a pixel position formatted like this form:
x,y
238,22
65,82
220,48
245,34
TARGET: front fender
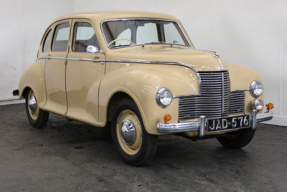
x,y
34,78
141,83
241,78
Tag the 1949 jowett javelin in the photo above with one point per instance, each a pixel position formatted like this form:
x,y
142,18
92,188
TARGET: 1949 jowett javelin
x,y
140,71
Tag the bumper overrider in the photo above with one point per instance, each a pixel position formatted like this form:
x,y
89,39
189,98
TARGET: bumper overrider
x,y
201,125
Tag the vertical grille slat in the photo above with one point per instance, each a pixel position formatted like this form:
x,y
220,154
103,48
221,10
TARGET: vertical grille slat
x,y
213,101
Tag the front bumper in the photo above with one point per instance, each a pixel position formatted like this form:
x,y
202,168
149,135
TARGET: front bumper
x,y
200,125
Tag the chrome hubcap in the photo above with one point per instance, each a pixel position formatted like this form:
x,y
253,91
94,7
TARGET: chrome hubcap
x,y
128,132
33,104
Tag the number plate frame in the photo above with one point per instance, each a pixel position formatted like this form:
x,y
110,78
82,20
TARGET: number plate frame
x,y
219,124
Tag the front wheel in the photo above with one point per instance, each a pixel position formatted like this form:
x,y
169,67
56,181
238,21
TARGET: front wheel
x,y
37,117
238,139
134,144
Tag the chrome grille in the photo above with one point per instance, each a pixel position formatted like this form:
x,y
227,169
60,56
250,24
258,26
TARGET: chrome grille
x,y
213,102
237,102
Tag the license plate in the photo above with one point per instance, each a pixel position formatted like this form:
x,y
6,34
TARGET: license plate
x,y
228,123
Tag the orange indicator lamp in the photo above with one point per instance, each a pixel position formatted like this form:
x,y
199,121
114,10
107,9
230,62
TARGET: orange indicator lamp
x,y
270,106
167,118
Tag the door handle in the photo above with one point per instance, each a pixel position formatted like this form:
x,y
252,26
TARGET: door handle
x,y
49,55
98,58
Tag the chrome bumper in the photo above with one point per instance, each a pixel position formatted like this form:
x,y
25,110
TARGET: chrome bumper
x,y
200,125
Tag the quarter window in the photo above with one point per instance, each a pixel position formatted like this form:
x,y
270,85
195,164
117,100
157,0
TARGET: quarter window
x,y
47,42
61,37
84,35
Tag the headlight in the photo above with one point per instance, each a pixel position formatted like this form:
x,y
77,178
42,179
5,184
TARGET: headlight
x,y
164,97
258,104
256,88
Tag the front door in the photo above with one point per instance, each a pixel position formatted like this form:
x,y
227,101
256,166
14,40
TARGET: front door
x,y
84,73
55,69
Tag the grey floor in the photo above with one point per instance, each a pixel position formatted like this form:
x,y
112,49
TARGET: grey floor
x,y
72,156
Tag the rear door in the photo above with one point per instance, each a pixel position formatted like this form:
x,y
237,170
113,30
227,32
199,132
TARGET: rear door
x,y
55,68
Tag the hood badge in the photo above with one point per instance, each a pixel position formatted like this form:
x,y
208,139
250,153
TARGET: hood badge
x,y
216,55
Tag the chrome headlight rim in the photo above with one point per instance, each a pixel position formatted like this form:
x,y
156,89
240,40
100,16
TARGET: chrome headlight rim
x,y
254,86
158,98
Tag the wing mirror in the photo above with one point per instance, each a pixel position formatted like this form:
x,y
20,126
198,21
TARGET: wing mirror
x,y
93,49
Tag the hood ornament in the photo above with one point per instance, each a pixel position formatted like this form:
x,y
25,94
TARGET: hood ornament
x,y
216,55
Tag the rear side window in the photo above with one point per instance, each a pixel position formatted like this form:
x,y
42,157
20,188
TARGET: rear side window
x,y
84,35
47,42
61,37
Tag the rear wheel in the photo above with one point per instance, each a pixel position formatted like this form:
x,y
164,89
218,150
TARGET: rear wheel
x,y
37,117
238,139
134,144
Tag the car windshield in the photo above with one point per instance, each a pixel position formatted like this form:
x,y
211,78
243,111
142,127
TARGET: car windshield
x,y
122,33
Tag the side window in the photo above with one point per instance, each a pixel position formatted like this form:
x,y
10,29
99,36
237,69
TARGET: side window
x,y
61,37
47,42
84,35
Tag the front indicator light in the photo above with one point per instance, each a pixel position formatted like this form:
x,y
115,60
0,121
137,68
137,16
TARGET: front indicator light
x,y
257,104
166,118
270,106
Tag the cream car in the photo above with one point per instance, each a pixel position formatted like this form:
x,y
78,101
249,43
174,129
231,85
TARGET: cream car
x,y
141,72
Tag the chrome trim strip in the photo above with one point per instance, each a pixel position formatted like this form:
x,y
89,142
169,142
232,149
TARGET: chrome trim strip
x,y
78,59
180,96
198,125
215,54
222,92
50,58
128,61
141,18
240,90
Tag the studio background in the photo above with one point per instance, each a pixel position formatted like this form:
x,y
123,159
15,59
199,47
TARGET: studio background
x,y
251,33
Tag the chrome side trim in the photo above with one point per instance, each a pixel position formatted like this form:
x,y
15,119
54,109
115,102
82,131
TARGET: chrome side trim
x,y
140,18
127,61
50,58
78,59
239,90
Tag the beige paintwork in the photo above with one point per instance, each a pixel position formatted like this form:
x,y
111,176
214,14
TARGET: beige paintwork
x,y
83,90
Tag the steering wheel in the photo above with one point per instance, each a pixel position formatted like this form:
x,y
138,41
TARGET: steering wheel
x,y
120,39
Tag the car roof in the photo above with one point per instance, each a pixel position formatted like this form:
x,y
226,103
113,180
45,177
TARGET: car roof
x,y
104,15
